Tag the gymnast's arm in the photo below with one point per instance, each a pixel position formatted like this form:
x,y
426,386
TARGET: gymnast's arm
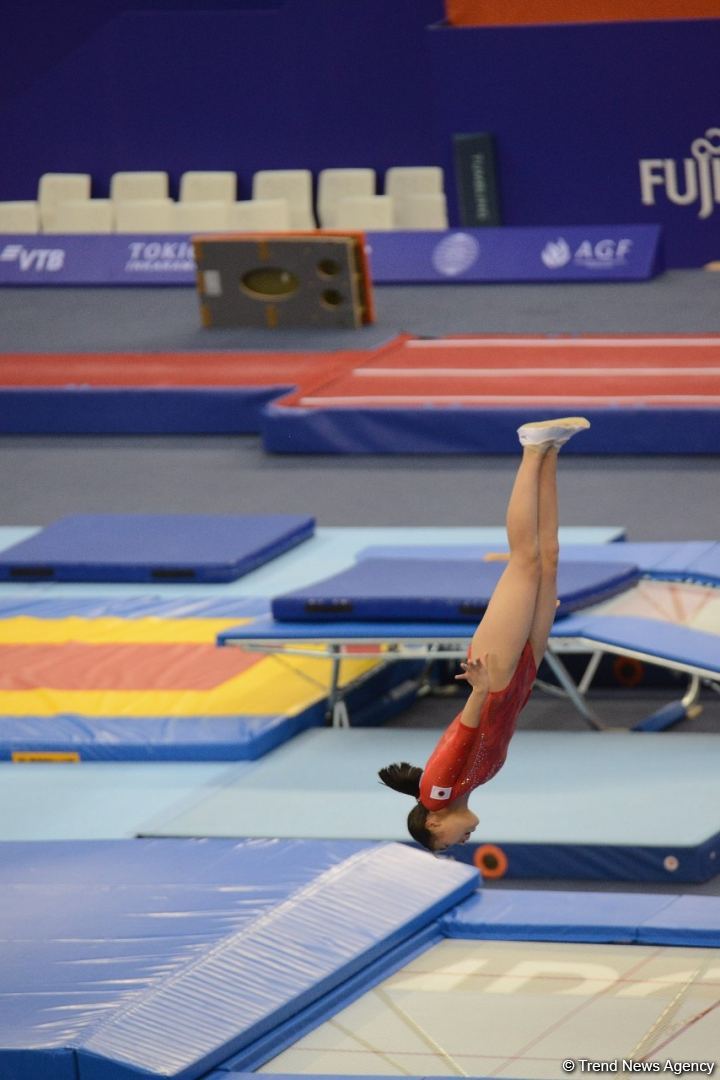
x,y
448,758
475,673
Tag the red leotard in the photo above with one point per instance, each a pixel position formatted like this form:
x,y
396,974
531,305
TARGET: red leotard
x,y
466,757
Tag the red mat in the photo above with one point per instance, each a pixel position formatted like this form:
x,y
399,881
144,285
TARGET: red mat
x,y
480,371
77,666
173,369
510,371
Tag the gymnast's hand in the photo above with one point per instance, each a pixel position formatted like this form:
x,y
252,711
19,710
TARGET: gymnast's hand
x,y
475,672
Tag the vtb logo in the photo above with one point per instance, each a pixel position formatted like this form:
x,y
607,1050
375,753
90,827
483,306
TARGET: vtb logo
x,y
700,175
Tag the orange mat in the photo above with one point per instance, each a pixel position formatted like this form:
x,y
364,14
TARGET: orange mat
x,y
517,13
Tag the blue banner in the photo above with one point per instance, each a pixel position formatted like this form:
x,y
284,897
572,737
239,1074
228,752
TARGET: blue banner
x,y
573,253
555,253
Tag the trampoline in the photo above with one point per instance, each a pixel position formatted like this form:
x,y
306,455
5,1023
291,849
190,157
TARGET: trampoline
x,y
670,618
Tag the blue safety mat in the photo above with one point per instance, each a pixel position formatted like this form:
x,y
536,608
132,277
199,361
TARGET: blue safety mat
x,y
532,915
664,640
610,819
399,589
137,959
153,547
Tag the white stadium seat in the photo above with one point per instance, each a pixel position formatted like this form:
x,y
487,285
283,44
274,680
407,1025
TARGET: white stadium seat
x,y
421,212
201,216
82,216
55,188
259,215
336,184
373,212
19,217
295,185
404,180
208,187
145,216
125,186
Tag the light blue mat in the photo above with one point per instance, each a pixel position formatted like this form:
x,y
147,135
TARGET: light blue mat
x,y
328,552
610,788
96,801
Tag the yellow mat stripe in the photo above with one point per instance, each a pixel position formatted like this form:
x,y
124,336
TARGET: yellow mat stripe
x,y
273,686
26,630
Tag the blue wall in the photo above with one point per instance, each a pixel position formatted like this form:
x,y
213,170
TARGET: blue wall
x,y
575,109
105,85
308,83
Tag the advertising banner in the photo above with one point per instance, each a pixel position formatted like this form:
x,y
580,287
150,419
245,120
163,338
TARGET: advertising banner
x,y
573,253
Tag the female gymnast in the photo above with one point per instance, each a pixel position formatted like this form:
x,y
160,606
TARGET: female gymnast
x,y
504,654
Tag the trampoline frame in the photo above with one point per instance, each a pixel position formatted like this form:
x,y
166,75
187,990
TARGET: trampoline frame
x,y
446,647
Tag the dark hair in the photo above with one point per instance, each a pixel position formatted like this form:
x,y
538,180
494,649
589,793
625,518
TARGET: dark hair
x,y
406,779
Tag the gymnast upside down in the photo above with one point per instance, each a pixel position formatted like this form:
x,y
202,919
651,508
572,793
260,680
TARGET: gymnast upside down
x,y
504,654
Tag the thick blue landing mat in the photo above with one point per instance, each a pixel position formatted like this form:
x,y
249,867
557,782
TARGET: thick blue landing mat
x,y
141,959
585,805
437,589
153,547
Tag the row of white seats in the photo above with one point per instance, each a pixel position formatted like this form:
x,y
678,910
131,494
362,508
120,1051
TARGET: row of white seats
x,y
282,199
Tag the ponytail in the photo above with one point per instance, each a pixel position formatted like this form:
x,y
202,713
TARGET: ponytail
x,y
403,778
406,779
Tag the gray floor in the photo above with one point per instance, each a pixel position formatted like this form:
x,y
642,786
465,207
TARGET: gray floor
x,y
43,478
153,319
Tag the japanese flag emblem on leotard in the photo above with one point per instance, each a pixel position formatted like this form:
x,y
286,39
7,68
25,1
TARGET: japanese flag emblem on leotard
x,y
440,792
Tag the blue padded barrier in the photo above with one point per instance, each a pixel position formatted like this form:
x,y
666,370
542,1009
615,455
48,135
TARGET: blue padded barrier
x,y
533,915
141,959
610,862
463,430
398,589
153,547
166,410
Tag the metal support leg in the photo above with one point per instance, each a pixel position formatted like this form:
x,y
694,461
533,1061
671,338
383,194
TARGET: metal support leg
x,y
337,714
563,677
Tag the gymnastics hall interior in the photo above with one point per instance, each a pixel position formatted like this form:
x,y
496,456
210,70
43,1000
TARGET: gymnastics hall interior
x,y
238,569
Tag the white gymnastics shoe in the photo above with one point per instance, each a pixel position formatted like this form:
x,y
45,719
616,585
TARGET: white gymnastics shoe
x,y
553,432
